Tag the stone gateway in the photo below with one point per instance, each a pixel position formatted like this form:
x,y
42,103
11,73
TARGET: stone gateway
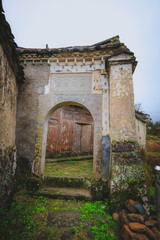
x,y
97,78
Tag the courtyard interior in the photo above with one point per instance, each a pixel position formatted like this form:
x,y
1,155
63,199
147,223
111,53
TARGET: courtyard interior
x,y
78,166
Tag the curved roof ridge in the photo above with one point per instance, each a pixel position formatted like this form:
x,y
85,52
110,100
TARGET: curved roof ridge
x,y
112,39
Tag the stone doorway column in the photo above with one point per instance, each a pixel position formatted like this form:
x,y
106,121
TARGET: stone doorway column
x,y
126,160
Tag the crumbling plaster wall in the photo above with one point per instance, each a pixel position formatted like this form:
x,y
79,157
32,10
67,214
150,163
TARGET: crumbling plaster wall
x,y
127,177
122,112
8,103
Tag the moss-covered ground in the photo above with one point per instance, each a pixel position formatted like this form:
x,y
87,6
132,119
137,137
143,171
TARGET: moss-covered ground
x,y
38,218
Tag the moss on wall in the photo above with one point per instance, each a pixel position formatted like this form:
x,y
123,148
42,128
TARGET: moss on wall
x,y
38,147
127,177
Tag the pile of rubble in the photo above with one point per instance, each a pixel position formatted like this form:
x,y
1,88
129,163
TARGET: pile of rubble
x,y
135,224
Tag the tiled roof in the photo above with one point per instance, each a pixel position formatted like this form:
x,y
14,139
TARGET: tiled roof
x,y
111,43
142,116
110,47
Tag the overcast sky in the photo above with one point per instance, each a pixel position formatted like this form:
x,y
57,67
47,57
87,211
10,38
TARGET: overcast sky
x,y
61,23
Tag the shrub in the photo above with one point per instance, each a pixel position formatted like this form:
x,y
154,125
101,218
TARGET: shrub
x,y
153,159
153,146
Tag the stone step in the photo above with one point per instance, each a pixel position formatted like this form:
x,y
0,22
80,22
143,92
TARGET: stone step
x,y
69,182
66,159
97,188
65,193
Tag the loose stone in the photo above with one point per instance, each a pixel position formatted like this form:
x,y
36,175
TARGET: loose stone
x,y
137,227
129,204
136,217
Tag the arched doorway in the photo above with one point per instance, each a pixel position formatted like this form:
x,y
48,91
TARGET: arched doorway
x,y
96,133
69,146
70,131
48,104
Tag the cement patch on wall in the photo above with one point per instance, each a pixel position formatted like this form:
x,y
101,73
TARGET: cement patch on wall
x,y
71,83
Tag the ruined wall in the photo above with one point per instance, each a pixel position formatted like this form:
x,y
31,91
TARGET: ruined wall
x,y
70,129
8,102
11,76
141,132
127,175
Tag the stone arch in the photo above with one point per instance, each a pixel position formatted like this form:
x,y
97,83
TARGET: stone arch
x,y
92,103
67,103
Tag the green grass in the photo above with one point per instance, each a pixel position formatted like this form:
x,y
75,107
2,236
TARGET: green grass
x,y
69,168
152,191
152,204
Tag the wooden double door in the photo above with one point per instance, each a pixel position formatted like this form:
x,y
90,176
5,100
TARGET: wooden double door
x,y
83,138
